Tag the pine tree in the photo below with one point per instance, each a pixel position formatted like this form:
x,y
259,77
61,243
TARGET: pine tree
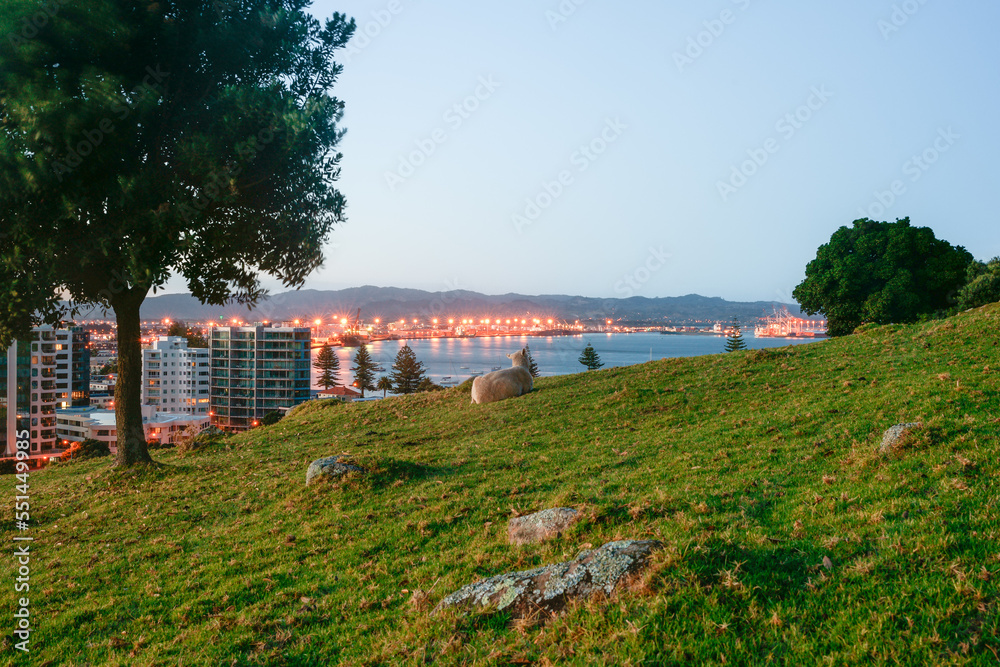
x,y
364,370
407,372
328,366
590,358
385,384
532,366
735,342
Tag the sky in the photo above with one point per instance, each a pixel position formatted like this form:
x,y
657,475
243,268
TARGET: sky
x,y
641,148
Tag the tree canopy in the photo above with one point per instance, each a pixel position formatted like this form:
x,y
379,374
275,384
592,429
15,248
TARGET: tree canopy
x,y
182,330
407,372
982,286
328,365
144,140
364,370
881,272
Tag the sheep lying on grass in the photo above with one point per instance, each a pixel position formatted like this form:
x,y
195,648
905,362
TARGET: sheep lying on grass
x,y
507,383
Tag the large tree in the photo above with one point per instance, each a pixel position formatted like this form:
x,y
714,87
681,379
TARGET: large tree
x,y
881,272
144,140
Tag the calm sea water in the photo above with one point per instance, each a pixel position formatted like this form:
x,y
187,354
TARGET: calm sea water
x,y
555,355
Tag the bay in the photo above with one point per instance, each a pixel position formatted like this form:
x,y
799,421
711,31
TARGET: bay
x,y
458,358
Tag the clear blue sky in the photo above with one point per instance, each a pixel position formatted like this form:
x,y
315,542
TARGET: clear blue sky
x,y
670,97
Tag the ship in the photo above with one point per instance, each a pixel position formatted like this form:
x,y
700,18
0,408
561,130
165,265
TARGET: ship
x,y
782,324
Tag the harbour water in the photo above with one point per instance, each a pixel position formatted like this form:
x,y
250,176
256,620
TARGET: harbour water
x,y
459,358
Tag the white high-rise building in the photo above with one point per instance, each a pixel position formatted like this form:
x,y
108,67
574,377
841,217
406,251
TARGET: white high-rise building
x,y
175,377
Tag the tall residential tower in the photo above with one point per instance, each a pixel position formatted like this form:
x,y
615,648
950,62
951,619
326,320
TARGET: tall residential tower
x,y
52,370
257,370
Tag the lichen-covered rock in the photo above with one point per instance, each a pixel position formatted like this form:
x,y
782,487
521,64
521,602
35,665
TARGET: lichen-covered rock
x,y
540,526
895,433
333,466
551,588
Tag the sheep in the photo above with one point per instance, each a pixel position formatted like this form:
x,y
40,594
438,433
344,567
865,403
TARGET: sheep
x,y
509,382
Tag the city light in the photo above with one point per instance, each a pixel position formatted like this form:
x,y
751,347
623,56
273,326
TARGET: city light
x,y
318,321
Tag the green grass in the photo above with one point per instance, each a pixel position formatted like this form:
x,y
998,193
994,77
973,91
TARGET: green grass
x,y
751,468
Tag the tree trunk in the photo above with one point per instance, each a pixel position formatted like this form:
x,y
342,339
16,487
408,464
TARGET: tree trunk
x,y
132,448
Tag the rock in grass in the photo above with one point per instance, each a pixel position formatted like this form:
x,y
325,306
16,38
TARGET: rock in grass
x,y
551,588
333,466
896,433
540,526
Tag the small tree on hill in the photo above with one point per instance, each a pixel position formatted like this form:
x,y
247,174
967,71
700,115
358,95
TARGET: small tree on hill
x,y
407,372
532,366
590,358
734,341
364,370
328,366
385,384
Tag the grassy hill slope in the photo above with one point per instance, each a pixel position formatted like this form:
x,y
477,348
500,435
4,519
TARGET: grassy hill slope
x,y
751,468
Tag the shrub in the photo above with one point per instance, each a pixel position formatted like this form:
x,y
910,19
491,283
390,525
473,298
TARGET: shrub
x,y
208,438
983,285
271,418
91,449
428,385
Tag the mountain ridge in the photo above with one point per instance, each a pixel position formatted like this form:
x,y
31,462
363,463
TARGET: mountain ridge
x,y
390,303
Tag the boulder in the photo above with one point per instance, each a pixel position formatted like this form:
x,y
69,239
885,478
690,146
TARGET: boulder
x,y
333,466
540,526
894,434
550,588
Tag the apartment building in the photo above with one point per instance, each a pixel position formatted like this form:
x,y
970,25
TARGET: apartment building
x,y
257,370
49,371
175,377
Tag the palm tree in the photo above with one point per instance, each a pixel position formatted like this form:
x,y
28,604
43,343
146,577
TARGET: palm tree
x,y
385,384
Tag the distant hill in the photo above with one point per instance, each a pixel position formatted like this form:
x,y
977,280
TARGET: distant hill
x,y
389,303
